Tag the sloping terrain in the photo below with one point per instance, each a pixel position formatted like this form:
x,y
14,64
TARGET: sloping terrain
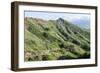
x,y
55,40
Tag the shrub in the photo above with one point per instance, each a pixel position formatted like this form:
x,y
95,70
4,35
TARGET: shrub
x,y
30,59
61,45
85,55
76,42
86,47
47,29
65,57
48,57
45,34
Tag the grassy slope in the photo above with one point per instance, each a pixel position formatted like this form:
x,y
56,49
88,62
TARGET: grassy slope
x,y
55,39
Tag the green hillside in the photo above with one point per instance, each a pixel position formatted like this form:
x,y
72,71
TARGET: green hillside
x,y
55,40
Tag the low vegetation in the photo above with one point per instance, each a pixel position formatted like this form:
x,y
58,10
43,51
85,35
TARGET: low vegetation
x,y
55,40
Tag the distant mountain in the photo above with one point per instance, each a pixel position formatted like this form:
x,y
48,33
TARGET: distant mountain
x,y
55,40
83,23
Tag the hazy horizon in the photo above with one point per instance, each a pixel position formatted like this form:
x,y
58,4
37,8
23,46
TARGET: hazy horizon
x,y
80,19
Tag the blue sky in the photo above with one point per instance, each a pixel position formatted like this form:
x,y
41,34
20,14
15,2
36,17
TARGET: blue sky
x,y
80,19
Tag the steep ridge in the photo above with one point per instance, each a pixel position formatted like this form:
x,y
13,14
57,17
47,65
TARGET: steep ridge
x,y
55,40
